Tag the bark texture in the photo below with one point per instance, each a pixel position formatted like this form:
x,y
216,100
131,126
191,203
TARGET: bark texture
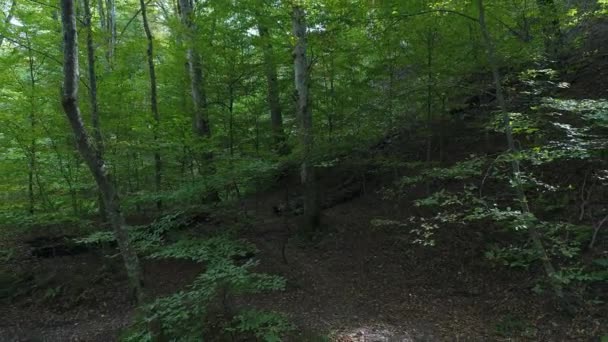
x,y
312,213
102,15
270,68
111,28
88,152
195,69
93,97
153,100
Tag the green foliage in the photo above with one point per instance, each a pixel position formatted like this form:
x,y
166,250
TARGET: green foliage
x,y
520,123
100,237
564,241
145,238
513,256
459,171
185,314
212,250
357,78
264,326
593,111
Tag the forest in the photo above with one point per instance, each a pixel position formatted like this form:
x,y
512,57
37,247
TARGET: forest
x,y
303,170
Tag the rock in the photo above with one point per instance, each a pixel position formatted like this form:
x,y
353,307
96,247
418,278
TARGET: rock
x,y
375,335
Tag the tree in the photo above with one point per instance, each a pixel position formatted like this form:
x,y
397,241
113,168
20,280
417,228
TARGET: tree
x,y
312,215
153,100
93,95
273,98
515,166
88,152
199,98
111,28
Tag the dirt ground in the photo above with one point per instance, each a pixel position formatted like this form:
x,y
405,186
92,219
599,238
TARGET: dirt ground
x,y
356,284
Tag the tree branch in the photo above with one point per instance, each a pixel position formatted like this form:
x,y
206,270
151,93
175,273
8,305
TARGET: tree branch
x,y
44,4
131,20
45,54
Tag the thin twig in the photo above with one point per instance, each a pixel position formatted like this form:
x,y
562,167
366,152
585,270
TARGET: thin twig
x,y
584,199
596,230
487,174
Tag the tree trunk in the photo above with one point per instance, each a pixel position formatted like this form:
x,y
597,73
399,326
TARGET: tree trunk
x,y
231,119
430,41
331,100
93,98
199,99
312,213
32,148
102,15
111,29
92,80
30,184
153,102
270,68
525,209
88,152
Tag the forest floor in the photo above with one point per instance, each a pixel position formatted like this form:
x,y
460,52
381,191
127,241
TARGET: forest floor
x,y
356,284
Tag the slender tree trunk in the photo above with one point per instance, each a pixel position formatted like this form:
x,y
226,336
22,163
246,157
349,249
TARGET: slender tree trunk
x,y
30,186
312,215
270,68
95,164
32,148
111,29
153,101
391,81
231,119
334,106
195,69
93,97
442,123
102,15
523,201
92,80
429,100
30,183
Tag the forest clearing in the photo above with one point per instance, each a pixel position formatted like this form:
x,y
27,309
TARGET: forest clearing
x,y
303,170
